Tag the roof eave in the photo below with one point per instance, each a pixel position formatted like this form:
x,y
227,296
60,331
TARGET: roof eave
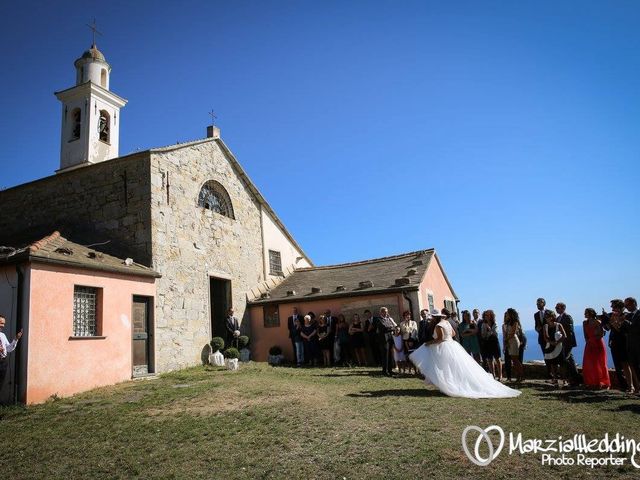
x,y
325,296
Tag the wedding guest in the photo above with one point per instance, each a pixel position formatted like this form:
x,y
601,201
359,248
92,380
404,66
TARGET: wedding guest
x,y
491,343
594,362
309,335
6,347
568,344
386,326
314,320
512,334
619,327
539,326
341,352
356,334
292,329
468,333
324,341
298,344
232,326
633,338
423,326
331,324
371,338
553,352
409,332
478,320
398,351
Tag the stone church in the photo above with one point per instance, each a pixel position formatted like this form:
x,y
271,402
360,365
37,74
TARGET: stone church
x,y
127,265
188,211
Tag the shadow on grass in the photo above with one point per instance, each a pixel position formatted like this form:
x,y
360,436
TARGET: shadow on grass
x,y
547,391
629,407
407,392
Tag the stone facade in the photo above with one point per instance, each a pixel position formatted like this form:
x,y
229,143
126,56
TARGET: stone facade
x,y
108,201
146,206
191,243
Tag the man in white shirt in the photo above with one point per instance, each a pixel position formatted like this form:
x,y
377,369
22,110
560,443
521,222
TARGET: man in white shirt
x,y
6,347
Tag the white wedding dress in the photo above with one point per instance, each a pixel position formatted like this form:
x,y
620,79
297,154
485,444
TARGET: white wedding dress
x,y
449,367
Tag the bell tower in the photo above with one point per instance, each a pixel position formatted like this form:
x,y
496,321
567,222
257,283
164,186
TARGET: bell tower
x,y
90,114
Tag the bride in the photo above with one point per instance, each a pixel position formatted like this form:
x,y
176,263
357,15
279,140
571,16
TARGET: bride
x,y
447,365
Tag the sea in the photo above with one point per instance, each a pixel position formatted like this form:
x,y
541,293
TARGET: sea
x,y
533,352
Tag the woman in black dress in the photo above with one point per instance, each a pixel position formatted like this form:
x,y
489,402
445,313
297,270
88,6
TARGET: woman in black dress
x,y
324,341
553,335
356,332
309,336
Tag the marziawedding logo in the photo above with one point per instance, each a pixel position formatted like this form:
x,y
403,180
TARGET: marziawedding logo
x,y
483,435
615,450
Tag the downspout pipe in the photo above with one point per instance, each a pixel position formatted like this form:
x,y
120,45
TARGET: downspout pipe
x,y
404,294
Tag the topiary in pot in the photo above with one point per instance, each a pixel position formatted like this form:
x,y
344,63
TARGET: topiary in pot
x,y
243,341
275,355
216,358
231,358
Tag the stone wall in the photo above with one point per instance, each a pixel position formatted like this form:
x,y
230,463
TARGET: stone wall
x,y
108,201
191,244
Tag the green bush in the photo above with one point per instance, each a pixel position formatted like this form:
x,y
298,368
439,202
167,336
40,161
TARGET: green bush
x,y
231,352
243,341
217,343
275,350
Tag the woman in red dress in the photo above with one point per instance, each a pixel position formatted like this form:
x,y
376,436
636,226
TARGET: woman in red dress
x,y
594,363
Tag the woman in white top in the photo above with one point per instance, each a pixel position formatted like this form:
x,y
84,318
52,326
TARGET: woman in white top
x,y
447,365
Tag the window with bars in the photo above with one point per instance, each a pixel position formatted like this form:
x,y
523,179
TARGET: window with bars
x,y
275,263
85,312
213,196
450,305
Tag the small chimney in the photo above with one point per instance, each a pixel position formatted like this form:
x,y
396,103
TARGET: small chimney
x,y
402,281
265,295
213,131
366,284
316,290
340,288
413,271
291,293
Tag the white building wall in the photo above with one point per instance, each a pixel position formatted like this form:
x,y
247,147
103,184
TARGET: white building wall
x,y
275,239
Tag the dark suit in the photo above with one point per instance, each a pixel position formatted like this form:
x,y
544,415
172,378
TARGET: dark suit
x,y
633,340
384,328
568,343
539,322
291,327
618,346
423,331
231,324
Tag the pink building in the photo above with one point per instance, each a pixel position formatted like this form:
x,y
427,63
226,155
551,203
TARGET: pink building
x,y
411,281
87,319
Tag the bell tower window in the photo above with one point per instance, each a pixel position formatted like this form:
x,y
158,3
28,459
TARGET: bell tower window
x,y
103,78
76,121
104,125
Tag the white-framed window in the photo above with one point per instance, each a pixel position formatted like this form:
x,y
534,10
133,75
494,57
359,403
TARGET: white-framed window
x,y
275,263
431,303
86,311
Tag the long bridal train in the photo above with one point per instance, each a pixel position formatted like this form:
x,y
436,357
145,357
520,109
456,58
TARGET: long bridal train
x,y
450,368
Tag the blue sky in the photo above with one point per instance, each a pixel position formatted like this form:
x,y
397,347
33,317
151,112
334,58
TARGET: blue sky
x,y
504,134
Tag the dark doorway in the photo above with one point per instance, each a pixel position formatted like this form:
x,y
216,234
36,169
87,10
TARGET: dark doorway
x,y
142,336
220,296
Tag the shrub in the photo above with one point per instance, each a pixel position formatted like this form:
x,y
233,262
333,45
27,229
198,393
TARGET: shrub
x,y
231,352
243,341
217,343
275,350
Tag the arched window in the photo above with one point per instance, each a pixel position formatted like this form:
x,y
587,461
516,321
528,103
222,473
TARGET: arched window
x,y
213,196
76,121
104,126
103,78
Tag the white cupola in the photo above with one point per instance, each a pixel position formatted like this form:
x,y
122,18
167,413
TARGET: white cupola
x,y
90,114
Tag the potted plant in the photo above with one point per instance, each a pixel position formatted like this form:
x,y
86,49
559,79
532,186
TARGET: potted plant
x,y
243,343
275,355
231,355
216,358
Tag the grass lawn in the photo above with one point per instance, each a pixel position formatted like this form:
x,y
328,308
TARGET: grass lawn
x,y
265,422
